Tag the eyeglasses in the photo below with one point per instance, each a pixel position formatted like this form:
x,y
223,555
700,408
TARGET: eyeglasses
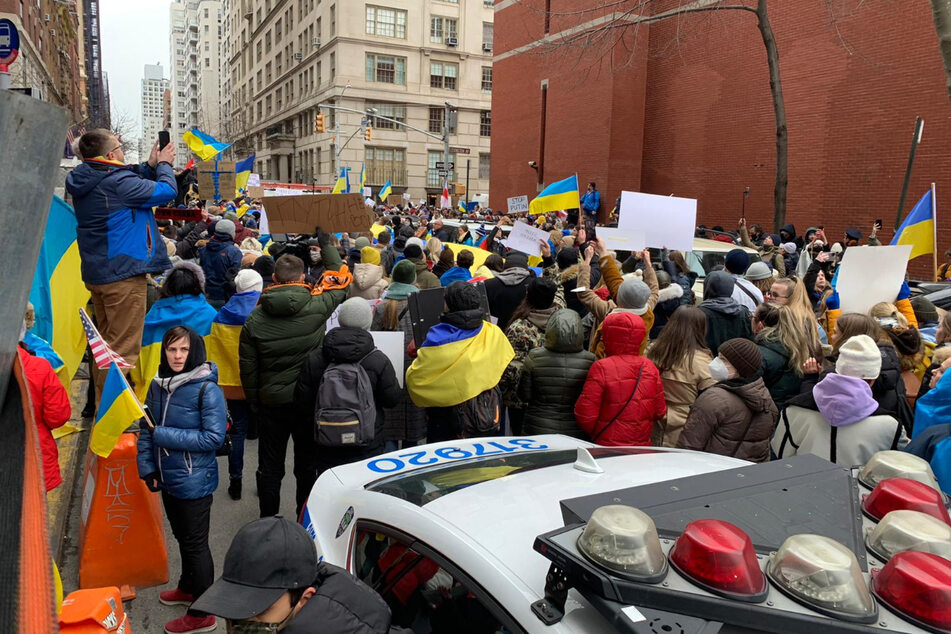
x,y
118,147
776,295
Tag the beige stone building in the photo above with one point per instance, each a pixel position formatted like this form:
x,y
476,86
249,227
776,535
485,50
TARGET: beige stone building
x,y
400,59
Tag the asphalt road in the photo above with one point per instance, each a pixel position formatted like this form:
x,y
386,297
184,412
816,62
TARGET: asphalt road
x,y
146,614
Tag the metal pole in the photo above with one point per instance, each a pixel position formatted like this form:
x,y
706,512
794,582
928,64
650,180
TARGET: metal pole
x,y
468,162
445,139
919,127
4,78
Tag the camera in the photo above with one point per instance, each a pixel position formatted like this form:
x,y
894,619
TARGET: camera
x,y
533,164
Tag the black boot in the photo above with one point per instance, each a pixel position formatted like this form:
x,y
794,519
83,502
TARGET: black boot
x,y
234,489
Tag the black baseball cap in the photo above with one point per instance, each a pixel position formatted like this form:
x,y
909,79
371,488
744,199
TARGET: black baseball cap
x,y
266,558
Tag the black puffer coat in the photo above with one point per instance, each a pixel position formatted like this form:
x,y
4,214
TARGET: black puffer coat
x,y
405,421
342,603
553,377
348,345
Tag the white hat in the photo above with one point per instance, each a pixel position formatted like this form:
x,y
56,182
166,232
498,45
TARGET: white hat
x,y
248,280
859,357
416,241
789,247
836,248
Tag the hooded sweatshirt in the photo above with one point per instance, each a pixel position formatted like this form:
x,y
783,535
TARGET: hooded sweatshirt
x,y
726,319
839,421
506,291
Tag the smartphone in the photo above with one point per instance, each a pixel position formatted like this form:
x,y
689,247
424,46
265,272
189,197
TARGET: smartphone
x,y
878,223
163,139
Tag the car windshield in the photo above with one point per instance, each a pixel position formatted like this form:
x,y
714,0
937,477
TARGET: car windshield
x,y
425,485
702,262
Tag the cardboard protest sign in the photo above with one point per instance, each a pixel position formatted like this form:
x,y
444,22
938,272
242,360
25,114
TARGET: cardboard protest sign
x,y
206,179
391,344
665,220
394,199
255,191
525,238
518,204
617,239
869,275
333,213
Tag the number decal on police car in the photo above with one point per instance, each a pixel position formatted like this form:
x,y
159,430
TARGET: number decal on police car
x,y
443,454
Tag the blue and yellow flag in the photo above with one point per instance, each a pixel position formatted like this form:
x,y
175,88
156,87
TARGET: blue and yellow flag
x,y
242,172
363,177
58,291
182,310
118,408
918,228
221,344
343,182
386,191
454,365
205,146
557,196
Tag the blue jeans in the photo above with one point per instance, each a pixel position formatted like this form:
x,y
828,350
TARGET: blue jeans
x,y
239,431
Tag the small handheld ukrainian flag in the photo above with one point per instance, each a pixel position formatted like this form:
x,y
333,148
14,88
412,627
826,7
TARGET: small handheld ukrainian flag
x,y
462,206
919,227
557,196
204,145
343,182
242,171
118,408
386,191
363,176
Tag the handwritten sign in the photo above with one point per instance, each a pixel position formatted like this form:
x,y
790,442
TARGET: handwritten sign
x,y
518,204
333,213
525,238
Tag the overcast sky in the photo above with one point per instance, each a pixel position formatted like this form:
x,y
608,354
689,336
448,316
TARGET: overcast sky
x,y
134,33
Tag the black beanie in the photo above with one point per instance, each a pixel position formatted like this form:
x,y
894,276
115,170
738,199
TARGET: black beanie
x,y
516,259
540,293
567,257
462,296
412,251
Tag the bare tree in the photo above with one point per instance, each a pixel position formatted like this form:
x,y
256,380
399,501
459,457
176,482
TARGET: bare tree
x,y
941,11
123,127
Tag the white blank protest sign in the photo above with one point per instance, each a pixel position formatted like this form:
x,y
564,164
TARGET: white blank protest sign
x,y
391,344
665,220
869,275
526,239
617,239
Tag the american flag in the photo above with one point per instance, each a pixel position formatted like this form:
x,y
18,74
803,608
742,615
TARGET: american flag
x,y
101,352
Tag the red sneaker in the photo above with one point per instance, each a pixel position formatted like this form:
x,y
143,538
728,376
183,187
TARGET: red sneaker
x,y
176,597
191,625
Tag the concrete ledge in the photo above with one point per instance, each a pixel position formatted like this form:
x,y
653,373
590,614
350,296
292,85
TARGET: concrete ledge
x,y
72,450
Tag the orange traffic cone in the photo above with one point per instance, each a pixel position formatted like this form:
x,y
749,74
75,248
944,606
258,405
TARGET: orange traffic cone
x,y
121,540
94,611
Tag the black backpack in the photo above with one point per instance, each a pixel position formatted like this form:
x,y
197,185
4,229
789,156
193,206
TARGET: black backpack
x,y
481,415
227,444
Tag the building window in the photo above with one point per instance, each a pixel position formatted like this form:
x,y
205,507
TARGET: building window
x,y
484,167
441,29
436,120
395,111
386,164
333,66
487,35
386,69
485,123
443,75
488,4
486,79
333,20
386,22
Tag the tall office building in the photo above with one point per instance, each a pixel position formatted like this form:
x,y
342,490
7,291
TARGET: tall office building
x,y
97,103
154,86
402,62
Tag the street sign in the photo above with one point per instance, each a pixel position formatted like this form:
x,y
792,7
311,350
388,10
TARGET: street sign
x,y
444,166
458,150
518,204
9,43
443,173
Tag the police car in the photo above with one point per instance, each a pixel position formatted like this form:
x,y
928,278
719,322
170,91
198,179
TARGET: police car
x,y
551,534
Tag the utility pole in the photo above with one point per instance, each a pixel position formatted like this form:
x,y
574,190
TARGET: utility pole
x,y
447,119
468,163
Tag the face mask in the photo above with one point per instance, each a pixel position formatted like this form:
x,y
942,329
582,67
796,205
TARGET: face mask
x,y
718,370
315,256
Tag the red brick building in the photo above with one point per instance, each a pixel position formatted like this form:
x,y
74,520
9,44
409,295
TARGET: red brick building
x,y
683,106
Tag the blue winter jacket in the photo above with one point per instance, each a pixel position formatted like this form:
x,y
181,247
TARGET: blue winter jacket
x,y
218,258
182,447
116,231
590,201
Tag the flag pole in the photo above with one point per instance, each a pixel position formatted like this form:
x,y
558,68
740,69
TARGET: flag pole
x,y
934,223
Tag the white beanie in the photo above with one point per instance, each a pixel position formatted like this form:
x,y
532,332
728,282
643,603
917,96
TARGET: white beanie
x,y
248,280
860,358
789,247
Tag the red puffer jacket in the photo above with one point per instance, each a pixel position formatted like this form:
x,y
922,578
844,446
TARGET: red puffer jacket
x,y
608,392
51,409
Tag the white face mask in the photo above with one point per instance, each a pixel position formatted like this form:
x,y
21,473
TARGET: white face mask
x,y
718,370
315,256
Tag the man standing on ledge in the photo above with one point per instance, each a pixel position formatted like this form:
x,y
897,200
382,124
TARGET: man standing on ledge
x,y
119,242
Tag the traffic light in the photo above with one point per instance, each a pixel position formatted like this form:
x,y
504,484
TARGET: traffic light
x,y
320,125
368,134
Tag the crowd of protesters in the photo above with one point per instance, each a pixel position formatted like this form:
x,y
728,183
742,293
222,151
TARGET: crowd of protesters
x,y
758,362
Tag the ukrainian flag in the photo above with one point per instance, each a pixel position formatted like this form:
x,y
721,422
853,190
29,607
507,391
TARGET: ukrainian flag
x,y
386,191
557,196
918,228
242,171
343,182
462,206
42,349
118,408
221,343
58,291
363,177
454,365
205,146
182,310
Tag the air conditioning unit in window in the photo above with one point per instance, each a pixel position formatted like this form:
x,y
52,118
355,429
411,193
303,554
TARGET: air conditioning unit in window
x,y
452,41
53,32
317,42
46,17
486,47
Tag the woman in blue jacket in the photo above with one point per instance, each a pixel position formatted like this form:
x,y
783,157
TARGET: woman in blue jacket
x,y
178,459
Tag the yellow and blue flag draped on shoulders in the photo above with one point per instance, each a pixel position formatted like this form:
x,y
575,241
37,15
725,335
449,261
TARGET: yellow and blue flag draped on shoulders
x,y
557,196
454,364
204,145
58,291
343,182
242,172
221,343
182,310
118,408
918,228
386,191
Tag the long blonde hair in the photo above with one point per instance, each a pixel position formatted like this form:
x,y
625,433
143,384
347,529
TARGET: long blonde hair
x,y
783,325
433,249
800,306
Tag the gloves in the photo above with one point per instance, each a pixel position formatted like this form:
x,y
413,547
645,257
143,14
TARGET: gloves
x,y
153,482
323,239
904,292
832,301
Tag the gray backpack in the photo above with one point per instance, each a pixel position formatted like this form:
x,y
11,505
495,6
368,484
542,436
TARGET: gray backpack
x,y
345,415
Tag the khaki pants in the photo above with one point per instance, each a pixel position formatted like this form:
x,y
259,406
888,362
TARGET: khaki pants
x,y
120,314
